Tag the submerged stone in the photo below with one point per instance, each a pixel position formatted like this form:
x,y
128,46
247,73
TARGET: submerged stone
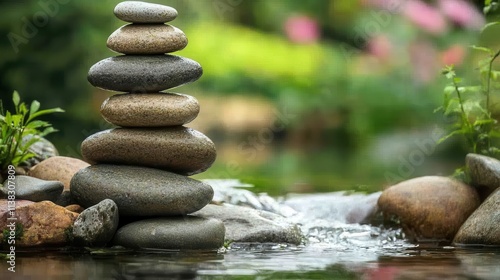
x,y
143,73
178,149
176,233
244,224
430,208
140,191
150,110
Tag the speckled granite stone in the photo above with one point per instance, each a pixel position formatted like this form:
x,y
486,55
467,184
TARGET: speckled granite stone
x,y
147,39
150,110
142,12
178,149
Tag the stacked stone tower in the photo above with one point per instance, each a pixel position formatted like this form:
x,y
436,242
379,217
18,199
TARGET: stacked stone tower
x,y
143,164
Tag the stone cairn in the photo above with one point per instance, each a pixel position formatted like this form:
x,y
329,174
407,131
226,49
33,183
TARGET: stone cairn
x,y
143,164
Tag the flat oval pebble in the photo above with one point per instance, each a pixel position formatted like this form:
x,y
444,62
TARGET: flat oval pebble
x,y
147,39
150,110
143,73
178,149
140,191
193,233
142,12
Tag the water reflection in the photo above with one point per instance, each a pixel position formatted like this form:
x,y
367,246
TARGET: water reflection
x,y
260,261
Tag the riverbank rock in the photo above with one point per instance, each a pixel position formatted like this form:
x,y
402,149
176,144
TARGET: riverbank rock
x,y
430,208
38,224
484,173
143,12
143,73
150,110
42,149
96,225
58,168
483,226
177,149
30,188
248,225
147,39
172,233
140,191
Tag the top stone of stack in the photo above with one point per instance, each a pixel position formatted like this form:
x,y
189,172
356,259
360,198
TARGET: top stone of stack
x,y
142,12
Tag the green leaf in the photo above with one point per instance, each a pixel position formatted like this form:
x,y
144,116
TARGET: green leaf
x,y
35,105
15,98
453,133
44,112
493,23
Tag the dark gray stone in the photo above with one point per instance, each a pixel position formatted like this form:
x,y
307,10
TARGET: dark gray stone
x,y
42,149
96,225
143,12
34,189
143,73
244,224
140,191
484,173
483,226
172,233
177,149
65,199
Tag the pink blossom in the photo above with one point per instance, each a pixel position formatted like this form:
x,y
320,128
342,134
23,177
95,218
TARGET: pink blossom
x,y
453,55
425,16
380,46
302,29
462,13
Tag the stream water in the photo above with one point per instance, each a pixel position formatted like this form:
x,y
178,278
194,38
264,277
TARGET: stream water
x,y
335,248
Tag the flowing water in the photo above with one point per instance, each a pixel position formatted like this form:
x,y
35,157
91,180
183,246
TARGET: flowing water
x,y
336,246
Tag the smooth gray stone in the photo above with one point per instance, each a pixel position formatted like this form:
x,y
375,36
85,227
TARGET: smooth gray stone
x,y
143,12
175,233
484,173
483,226
244,224
143,73
34,189
96,225
140,191
177,149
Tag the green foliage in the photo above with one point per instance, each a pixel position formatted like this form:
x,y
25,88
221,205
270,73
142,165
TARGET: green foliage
x,y
18,233
15,126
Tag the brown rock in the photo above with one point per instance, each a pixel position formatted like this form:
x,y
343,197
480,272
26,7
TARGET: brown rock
x,y
430,208
42,223
483,226
143,12
150,110
177,149
147,39
57,168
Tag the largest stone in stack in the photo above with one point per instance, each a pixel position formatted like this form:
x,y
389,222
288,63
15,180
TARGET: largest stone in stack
x,y
143,164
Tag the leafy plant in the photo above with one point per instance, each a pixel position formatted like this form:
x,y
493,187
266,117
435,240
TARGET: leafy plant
x,y
15,126
470,106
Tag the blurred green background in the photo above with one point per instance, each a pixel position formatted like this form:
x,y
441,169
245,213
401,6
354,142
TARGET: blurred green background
x,y
298,96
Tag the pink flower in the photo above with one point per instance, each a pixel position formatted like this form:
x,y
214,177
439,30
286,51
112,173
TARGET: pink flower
x,y
380,46
302,29
453,55
462,13
425,16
